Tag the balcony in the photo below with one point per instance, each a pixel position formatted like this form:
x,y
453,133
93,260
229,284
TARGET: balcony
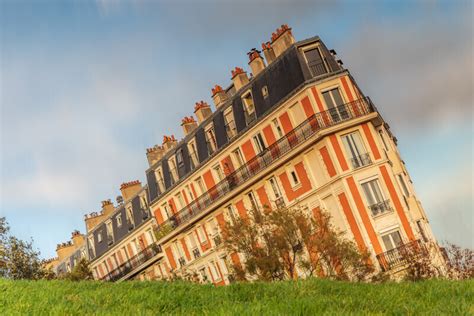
x,y
401,255
361,161
134,262
317,69
380,208
280,148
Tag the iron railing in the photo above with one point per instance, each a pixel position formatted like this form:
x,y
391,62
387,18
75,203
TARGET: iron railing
x,y
400,255
361,161
298,135
318,69
135,261
380,208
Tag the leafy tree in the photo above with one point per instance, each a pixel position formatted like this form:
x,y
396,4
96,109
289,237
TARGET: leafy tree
x,y
81,271
18,259
460,262
285,243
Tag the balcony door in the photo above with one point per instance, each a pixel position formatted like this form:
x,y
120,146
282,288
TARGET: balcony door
x,y
315,62
335,104
392,240
356,150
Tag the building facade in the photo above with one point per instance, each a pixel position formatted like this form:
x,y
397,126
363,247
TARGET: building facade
x,y
298,131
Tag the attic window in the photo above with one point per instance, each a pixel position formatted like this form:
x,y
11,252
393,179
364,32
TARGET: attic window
x,y
249,107
265,92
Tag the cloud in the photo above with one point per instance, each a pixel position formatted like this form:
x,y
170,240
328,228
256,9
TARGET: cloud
x,y
418,73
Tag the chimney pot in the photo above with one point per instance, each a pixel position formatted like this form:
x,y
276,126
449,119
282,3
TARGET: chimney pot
x,y
154,154
129,189
188,123
282,39
239,78
202,111
218,96
169,142
256,61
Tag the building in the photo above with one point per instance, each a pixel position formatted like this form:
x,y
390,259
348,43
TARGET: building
x,y
68,254
297,131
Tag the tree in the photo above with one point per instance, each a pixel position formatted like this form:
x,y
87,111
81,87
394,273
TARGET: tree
x,y
18,259
81,271
460,262
285,242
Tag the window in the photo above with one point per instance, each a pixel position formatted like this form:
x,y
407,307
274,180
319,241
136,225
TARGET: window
x,y
277,127
212,225
356,150
294,180
193,154
166,209
91,246
130,217
159,179
99,236
259,143
335,104
230,128
275,188
218,172
297,113
253,201
249,107
68,267
203,274
238,159
189,193
212,267
405,191
375,199
143,202
181,203
173,170
211,140
383,140
118,219
200,185
179,158
265,92
315,62
231,213
150,237
110,232
421,230
201,235
392,240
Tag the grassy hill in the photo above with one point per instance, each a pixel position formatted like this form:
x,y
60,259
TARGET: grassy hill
x,y
309,297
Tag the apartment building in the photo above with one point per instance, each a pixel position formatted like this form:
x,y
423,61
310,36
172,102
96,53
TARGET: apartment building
x,y
297,131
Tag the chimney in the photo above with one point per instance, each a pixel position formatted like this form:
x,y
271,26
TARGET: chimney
x,y
218,96
282,39
64,249
107,207
202,111
154,154
129,189
239,77
77,239
168,143
93,219
188,123
268,52
256,61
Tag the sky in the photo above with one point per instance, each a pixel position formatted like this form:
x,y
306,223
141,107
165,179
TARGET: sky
x,y
86,86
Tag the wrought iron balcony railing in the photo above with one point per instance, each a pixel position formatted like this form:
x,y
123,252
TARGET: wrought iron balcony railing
x,y
317,69
134,262
380,208
361,161
400,255
280,148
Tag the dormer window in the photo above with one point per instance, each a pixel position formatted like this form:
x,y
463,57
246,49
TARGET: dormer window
x,y
131,222
179,158
118,218
99,236
315,61
211,139
173,170
110,233
193,154
230,128
249,107
159,180
91,246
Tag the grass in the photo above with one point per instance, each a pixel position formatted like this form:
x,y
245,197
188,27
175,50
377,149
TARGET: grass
x,y
308,297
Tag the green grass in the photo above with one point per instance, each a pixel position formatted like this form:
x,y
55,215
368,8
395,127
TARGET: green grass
x,y
309,297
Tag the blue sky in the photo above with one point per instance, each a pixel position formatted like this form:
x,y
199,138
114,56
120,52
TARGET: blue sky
x,y
87,86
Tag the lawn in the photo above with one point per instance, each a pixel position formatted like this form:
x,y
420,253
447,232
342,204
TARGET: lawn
x,y
308,297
